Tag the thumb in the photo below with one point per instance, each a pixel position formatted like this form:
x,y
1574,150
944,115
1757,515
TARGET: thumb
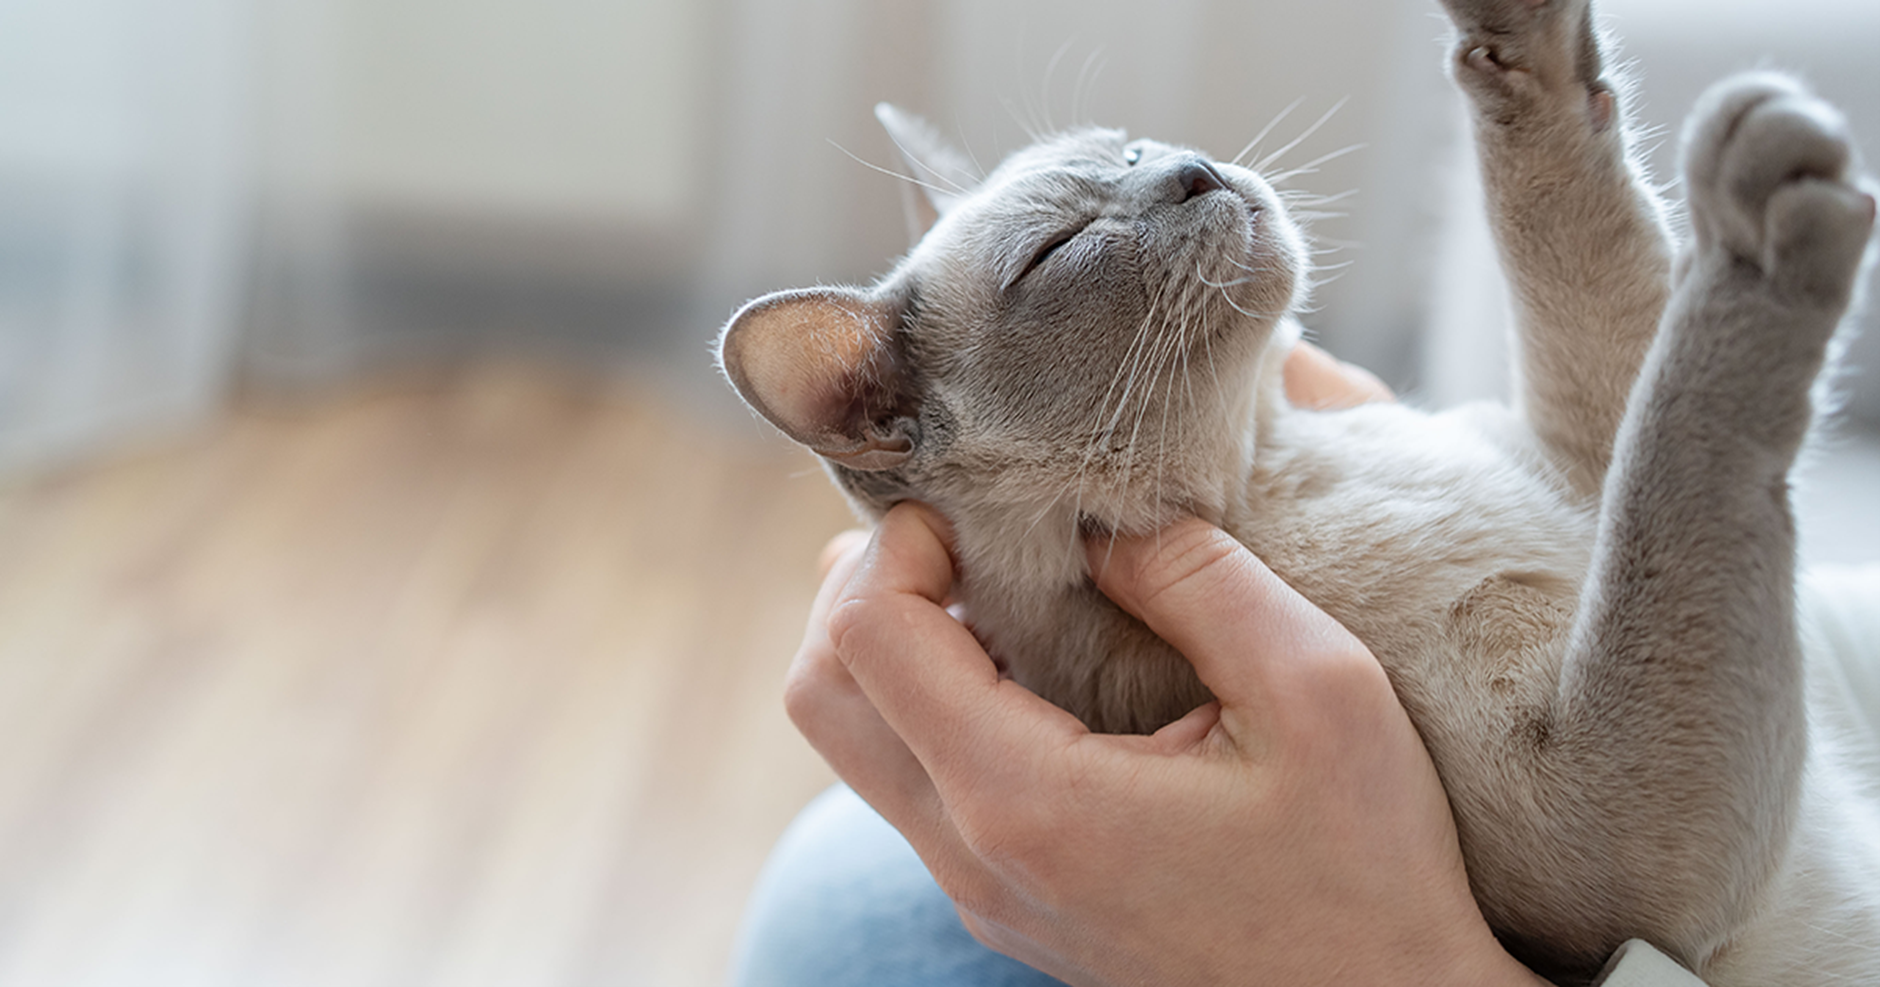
x,y
1246,632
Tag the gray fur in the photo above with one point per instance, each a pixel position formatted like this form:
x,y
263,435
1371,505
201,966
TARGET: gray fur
x,y
1586,602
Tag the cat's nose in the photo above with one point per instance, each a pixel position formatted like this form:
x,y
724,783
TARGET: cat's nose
x,y
1195,176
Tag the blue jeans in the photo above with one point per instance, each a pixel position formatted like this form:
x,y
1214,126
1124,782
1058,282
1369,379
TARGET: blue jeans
x,y
845,902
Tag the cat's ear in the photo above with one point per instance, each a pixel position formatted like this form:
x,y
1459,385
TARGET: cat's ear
x,y
819,364
943,173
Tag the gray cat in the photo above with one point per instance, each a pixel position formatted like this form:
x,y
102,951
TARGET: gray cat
x,y
1586,602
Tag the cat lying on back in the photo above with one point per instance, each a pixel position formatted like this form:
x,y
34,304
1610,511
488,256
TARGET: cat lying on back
x,y
1585,602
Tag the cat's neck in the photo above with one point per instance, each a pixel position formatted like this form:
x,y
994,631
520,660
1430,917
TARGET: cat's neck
x,y
1033,549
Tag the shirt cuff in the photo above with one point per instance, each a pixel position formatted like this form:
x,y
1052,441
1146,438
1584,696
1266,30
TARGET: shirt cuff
x,y
1637,964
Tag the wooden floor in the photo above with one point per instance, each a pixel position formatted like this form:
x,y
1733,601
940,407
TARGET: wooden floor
x,y
473,682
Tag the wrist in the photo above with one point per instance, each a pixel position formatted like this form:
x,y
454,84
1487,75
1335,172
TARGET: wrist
x,y
1492,966
1475,958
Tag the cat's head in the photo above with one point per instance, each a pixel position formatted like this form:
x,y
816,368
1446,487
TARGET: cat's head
x,y
1083,324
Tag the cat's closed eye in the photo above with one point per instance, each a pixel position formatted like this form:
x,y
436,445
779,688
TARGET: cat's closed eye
x,y
1044,253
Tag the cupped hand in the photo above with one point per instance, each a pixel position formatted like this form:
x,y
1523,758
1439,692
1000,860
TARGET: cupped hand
x,y
1293,832
1319,381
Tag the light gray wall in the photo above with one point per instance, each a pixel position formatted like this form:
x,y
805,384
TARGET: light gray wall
x,y
589,111
444,177
123,208
1682,46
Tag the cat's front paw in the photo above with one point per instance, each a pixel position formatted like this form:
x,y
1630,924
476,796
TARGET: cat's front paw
x,y
1514,57
1772,178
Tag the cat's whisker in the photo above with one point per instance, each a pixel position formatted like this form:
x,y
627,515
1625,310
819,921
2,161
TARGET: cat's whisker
x,y
1309,131
1032,132
1159,349
1133,358
1253,272
1191,404
1125,372
1086,84
1270,124
1102,433
1045,511
1253,275
1176,350
1044,86
1312,166
1156,489
924,167
1288,176
1236,307
967,147
1222,284
1316,285
891,172
1214,373
1303,197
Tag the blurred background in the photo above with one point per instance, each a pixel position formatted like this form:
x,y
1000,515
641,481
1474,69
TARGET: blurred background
x,y
390,593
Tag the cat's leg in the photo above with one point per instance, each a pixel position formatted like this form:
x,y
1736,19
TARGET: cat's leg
x,y
1581,235
1673,754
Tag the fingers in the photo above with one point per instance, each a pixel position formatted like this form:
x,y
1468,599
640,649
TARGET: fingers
x,y
1247,633
833,713
841,723
925,673
845,543
878,649
1317,381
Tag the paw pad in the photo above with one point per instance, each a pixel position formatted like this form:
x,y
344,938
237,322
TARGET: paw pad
x,y
1770,171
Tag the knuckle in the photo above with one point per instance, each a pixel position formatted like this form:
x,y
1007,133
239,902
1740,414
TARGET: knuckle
x,y
983,933
989,840
1349,672
846,615
801,698
1189,554
974,926
1339,687
1022,841
811,683
858,626
972,895
992,934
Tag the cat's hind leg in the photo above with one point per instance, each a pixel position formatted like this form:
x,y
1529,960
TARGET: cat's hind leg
x,y
1581,234
1678,735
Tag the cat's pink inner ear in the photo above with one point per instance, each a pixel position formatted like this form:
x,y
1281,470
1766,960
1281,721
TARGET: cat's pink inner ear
x,y
813,363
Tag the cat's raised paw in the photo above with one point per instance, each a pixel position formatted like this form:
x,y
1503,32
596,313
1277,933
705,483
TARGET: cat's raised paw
x,y
1772,178
1504,17
1511,55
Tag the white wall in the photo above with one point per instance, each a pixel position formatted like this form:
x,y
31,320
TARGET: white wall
x,y
443,176
588,110
123,181
1684,45
173,174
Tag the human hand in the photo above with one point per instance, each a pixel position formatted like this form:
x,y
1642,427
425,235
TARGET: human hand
x,y
1318,381
1292,832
